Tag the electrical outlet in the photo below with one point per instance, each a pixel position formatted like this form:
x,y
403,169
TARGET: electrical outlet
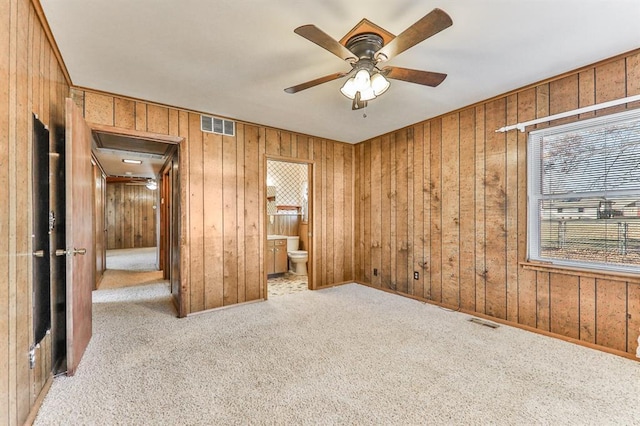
x,y
375,272
416,275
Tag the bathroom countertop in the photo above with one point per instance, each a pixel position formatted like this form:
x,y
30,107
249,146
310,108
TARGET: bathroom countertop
x,y
276,237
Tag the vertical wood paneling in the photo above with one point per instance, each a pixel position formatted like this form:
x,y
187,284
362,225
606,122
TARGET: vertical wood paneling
x,y
384,269
374,217
230,220
495,207
410,219
563,96
467,231
611,314
141,116
198,216
633,316
564,296
252,217
426,204
319,197
124,113
99,108
209,261
526,278
417,166
586,91
542,302
328,219
363,221
511,212
401,212
466,228
451,209
633,79
33,83
347,257
338,211
182,285
131,218
240,214
23,199
588,309
158,119
610,85
435,186
393,205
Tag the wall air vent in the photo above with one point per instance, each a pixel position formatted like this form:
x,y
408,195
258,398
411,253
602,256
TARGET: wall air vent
x,y
217,125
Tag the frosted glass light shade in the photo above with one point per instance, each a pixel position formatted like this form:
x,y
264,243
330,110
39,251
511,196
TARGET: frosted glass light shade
x,y
349,88
379,84
362,80
367,94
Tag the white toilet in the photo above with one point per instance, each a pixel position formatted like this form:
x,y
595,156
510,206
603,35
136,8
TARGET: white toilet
x,y
297,258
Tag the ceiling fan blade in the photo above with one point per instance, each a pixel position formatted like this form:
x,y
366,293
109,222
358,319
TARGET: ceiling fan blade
x,y
426,78
430,24
324,40
311,83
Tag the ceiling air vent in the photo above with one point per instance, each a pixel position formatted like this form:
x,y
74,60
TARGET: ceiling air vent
x,y
217,125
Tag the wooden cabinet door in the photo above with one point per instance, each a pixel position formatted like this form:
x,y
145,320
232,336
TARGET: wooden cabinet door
x,y
270,258
280,256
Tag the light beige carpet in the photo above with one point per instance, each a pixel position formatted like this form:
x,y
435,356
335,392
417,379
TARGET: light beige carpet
x,y
130,267
345,355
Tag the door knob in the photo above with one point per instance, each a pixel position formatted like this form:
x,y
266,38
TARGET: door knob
x,y
62,252
38,253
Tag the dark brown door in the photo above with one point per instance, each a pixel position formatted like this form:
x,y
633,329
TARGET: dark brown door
x,y
80,234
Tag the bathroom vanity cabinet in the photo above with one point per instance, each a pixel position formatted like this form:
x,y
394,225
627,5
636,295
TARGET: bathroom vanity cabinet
x,y
276,256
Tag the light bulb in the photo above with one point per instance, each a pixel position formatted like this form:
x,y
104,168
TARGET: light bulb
x,y
379,84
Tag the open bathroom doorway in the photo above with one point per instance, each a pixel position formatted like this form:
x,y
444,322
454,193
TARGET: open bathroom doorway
x,y
289,225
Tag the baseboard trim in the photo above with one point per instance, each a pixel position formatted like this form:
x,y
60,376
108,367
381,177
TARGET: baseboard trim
x,y
207,311
322,287
38,402
509,323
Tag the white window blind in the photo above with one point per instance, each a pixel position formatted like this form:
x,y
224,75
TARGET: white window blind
x,y
584,193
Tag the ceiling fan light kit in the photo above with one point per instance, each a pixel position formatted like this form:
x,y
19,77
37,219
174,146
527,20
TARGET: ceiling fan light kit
x,y
365,50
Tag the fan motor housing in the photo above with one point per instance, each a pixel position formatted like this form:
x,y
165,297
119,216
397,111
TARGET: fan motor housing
x,y
365,45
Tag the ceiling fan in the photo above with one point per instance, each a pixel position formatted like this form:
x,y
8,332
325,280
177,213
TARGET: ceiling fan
x,y
365,50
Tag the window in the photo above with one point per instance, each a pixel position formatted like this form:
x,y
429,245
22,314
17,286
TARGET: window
x,y
584,193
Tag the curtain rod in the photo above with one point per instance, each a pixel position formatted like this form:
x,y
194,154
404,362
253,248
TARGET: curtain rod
x,y
521,126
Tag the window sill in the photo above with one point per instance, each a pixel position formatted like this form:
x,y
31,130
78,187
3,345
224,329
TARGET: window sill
x,y
581,272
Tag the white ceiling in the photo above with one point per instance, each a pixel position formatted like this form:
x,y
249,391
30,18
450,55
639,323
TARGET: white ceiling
x,y
233,58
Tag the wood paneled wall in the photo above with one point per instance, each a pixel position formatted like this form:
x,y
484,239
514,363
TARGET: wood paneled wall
x,y
32,82
224,206
131,215
448,198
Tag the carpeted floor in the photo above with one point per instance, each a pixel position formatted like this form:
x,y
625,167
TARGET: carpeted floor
x,y
344,355
130,267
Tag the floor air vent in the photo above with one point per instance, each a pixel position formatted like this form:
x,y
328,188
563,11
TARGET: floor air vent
x,y
483,322
217,125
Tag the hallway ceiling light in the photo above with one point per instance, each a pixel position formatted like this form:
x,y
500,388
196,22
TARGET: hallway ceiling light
x,y
129,161
152,185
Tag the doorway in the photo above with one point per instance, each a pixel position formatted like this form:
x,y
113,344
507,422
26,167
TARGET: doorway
x,y
140,207
289,220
